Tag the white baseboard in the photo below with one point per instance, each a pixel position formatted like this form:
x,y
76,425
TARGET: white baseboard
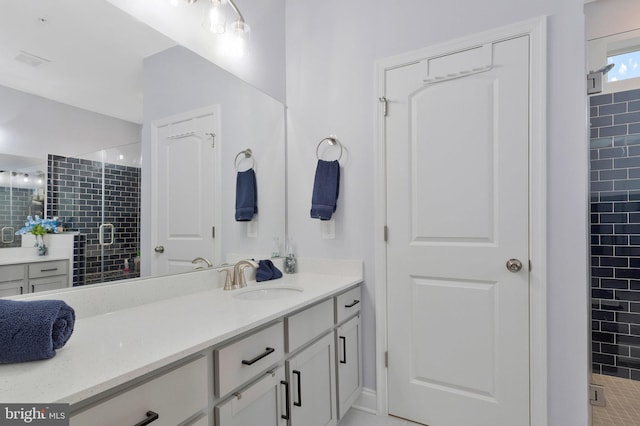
x,y
367,401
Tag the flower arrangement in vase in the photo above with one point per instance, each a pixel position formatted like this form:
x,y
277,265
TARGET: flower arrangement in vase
x,y
39,227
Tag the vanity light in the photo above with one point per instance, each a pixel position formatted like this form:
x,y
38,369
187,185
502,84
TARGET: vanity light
x,y
215,22
234,36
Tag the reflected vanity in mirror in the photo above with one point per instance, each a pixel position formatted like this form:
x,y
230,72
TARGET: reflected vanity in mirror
x,y
70,104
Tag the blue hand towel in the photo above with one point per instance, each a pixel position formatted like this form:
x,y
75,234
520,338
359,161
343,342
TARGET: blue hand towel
x,y
246,196
33,330
267,271
325,189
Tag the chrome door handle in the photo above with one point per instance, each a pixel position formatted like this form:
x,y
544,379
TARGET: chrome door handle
x,y
101,229
159,249
514,265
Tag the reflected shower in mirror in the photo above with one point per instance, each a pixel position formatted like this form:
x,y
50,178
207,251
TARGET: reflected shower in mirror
x,y
109,96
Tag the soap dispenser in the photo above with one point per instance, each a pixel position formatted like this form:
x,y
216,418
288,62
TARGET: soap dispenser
x,y
290,259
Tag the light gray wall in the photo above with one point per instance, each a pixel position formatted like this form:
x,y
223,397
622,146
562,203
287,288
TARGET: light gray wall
x,y
33,126
176,81
331,50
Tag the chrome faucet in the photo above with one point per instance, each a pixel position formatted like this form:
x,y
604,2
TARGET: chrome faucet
x,y
238,272
202,259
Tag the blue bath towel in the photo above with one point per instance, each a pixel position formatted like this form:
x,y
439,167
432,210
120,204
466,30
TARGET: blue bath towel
x,y
246,196
267,271
325,189
33,330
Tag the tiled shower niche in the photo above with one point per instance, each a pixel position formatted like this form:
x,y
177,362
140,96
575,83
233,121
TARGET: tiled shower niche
x,y
75,195
615,233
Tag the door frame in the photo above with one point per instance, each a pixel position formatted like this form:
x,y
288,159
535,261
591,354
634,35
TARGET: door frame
x,y
536,29
185,116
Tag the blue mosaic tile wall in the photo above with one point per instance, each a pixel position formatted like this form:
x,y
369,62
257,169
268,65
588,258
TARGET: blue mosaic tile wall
x,y
615,233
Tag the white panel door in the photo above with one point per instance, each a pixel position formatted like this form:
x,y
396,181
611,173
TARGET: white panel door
x,y
457,211
186,190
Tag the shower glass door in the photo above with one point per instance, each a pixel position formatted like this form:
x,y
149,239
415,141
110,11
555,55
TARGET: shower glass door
x,y
98,196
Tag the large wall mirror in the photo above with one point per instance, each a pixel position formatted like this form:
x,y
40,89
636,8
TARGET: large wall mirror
x,y
81,86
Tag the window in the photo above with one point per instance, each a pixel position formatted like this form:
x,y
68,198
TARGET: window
x,y
627,65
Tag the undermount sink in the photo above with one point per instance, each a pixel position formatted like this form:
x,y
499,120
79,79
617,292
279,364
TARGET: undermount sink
x,y
267,293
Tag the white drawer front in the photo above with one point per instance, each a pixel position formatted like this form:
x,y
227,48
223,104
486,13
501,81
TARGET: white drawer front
x,y
244,359
308,324
175,396
11,273
48,269
348,304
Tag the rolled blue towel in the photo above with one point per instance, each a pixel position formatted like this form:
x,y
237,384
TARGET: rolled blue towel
x,y
32,330
326,187
246,196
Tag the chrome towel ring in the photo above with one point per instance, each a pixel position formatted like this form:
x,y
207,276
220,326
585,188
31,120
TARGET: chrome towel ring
x,y
331,140
247,154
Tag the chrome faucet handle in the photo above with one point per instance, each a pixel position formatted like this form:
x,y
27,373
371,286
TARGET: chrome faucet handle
x,y
202,259
228,280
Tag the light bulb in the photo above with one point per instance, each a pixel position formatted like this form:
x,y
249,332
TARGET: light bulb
x,y
215,21
238,41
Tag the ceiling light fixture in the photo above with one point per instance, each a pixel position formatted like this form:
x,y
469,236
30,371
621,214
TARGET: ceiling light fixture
x,y
234,36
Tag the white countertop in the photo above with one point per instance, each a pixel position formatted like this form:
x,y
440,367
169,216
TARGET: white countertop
x,y
109,349
31,258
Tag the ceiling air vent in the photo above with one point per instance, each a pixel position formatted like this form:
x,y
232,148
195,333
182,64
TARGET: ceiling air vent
x,y
31,59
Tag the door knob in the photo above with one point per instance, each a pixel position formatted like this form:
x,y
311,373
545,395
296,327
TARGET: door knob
x,y
159,249
514,265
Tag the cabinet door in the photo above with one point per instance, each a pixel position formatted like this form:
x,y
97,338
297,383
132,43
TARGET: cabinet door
x,y
349,364
261,403
48,283
311,374
12,288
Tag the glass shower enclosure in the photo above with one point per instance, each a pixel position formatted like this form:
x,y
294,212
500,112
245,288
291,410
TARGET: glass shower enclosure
x,y
97,195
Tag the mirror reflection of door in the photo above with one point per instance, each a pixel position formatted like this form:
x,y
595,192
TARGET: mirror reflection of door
x,y
185,189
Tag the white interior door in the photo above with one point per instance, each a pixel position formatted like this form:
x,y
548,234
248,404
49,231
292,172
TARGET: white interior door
x,y
457,143
186,188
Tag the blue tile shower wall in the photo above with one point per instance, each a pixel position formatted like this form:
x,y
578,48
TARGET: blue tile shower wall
x,y
615,233
74,194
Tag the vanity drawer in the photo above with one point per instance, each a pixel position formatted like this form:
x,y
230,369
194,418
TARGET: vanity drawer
x,y
308,324
11,273
48,269
175,396
348,304
244,359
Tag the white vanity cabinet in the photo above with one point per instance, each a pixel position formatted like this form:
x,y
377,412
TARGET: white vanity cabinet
x,y
311,370
175,397
12,280
260,403
348,344
51,275
348,348
32,277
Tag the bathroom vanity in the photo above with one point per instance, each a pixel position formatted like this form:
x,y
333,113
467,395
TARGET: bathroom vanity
x,y
23,276
283,352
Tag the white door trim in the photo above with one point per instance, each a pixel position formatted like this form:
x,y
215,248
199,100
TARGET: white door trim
x,y
537,31
184,116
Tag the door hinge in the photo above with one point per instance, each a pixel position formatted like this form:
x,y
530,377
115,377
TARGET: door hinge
x,y
386,233
385,103
213,232
596,395
386,359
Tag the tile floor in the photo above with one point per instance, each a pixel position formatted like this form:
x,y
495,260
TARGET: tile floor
x,y
360,418
622,397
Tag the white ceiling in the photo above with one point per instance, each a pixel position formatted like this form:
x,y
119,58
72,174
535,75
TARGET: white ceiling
x,y
94,48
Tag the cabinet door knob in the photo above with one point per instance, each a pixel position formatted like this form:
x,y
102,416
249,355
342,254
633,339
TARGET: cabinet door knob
x,y
151,417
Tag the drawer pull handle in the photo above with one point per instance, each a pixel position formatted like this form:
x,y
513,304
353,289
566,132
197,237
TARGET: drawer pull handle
x,y
351,305
344,350
151,417
266,352
299,403
48,270
286,414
